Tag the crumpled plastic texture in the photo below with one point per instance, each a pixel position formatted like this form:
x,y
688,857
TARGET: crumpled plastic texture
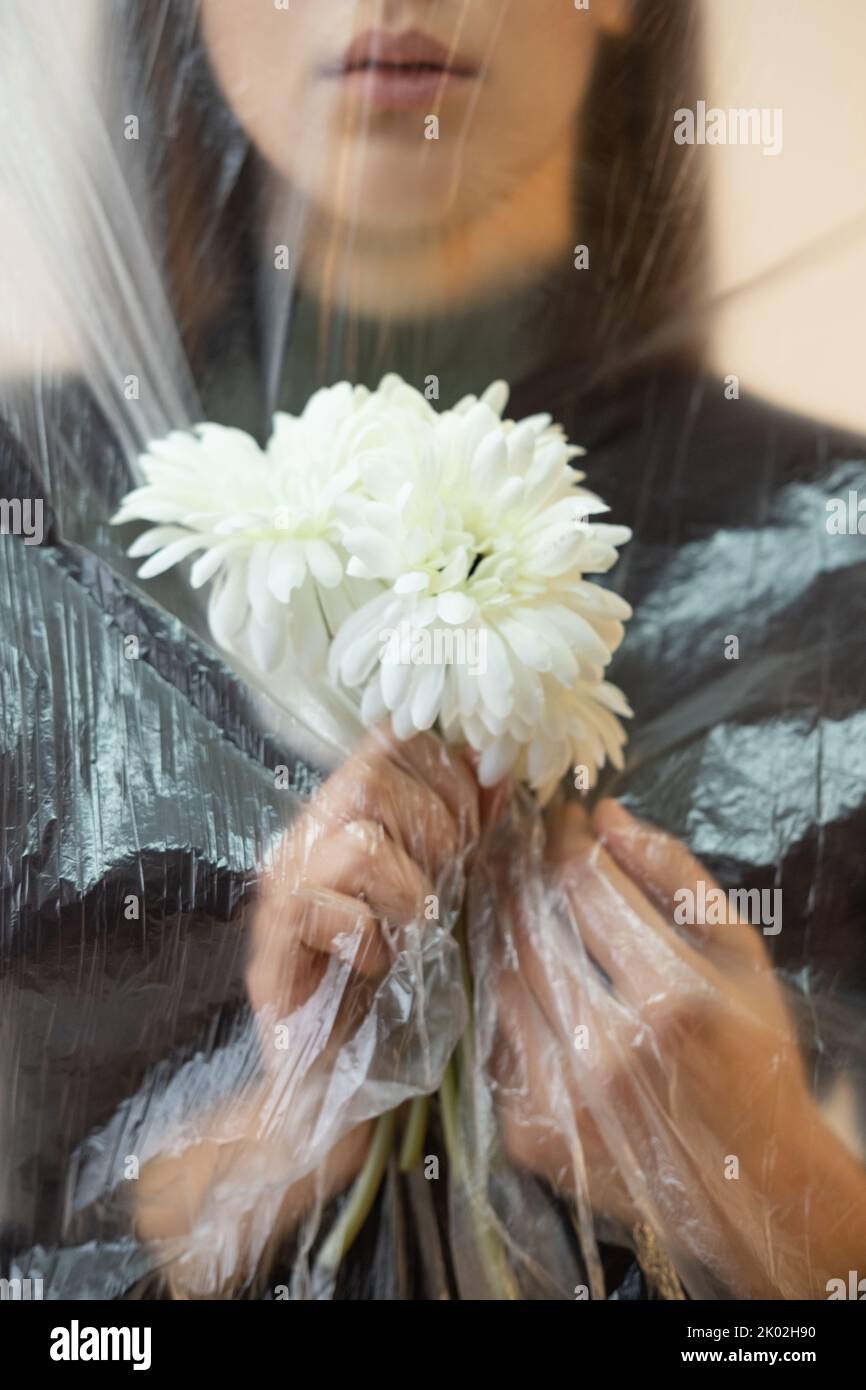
x,y
220,965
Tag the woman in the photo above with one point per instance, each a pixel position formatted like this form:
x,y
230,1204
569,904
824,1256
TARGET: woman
x,y
393,186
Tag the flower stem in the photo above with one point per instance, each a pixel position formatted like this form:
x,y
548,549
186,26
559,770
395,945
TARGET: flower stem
x,y
414,1133
362,1195
448,1112
491,1252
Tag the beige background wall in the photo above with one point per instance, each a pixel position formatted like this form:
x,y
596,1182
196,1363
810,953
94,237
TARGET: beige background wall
x,y
789,233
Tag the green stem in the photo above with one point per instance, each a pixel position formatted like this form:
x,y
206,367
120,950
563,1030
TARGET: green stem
x,y
448,1112
413,1135
362,1195
490,1249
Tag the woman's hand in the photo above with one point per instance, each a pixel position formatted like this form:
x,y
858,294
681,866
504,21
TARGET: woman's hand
x,y
384,834
684,1092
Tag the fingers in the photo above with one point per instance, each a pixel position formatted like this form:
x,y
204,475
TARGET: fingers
x,y
618,924
371,787
359,864
421,792
325,921
666,870
339,925
657,862
338,895
447,774
282,972
360,860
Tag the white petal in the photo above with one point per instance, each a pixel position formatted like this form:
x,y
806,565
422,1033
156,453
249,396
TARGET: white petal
x,y
427,697
497,760
396,678
371,548
286,569
424,612
614,699
529,645
155,539
455,607
261,599
373,707
229,605
497,681
324,563
490,463
356,569
207,565
171,555
456,570
267,643
401,723
360,658
496,396
370,616
478,422
413,583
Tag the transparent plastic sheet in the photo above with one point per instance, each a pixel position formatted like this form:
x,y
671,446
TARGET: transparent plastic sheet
x,y
220,965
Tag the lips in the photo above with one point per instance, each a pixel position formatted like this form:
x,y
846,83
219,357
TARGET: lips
x,y
398,70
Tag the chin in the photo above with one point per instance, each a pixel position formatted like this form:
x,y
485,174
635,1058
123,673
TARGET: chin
x,y
380,213
390,198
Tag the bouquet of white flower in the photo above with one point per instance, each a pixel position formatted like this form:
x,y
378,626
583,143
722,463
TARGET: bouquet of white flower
x,y
433,563
431,566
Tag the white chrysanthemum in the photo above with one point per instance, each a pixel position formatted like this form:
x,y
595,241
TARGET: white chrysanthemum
x,y
442,556
265,522
480,530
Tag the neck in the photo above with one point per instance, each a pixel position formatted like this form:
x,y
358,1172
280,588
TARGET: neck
x,y
510,244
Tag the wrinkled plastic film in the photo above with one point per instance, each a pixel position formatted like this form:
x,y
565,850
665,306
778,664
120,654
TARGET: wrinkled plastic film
x,y
243,937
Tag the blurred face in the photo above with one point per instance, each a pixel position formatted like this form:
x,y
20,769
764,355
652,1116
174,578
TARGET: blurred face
x,y
401,115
